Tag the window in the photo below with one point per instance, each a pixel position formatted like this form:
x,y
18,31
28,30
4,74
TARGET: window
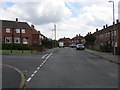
x,y
17,30
16,40
8,40
101,35
7,30
25,41
116,45
114,32
23,30
106,34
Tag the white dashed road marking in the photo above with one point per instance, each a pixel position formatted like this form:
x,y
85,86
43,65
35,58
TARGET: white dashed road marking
x,y
32,75
28,80
38,68
44,56
35,72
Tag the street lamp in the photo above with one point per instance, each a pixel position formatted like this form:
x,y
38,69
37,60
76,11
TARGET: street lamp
x,y
113,26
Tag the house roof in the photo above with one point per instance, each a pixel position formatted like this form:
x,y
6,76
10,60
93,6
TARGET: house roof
x,y
77,38
64,39
14,24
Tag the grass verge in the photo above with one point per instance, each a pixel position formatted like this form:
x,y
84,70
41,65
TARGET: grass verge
x,y
18,51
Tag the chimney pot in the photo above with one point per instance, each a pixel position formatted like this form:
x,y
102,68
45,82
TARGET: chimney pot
x,y
38,31
117,21
113,23
32,26
104,27
96,30
16,19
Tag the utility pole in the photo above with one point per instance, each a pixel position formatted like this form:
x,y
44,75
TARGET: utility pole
x,y
113,43
55,34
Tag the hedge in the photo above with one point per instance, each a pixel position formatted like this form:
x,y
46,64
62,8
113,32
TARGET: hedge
x,y
16,46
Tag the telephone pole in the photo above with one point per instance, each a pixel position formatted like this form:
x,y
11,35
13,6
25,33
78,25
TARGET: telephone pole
x,y
55,34
113,41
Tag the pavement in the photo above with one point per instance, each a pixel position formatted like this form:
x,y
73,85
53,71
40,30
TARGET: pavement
x,y
14,79
15,73
107,56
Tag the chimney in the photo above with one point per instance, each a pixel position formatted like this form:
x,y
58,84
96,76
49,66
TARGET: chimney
x,y
16,19
32,26
113,23
79,34
117,21
38,31
96,30
106,25
90,32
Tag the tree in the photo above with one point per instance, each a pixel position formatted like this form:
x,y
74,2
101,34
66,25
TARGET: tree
x,y
90,38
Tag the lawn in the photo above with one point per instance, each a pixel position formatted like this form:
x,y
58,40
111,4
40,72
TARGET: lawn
x,y
18,51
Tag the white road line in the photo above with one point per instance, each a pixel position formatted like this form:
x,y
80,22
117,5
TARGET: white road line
x,y
35,72
44,61
48,56
32,75
38,68
29,79
44,56
40,65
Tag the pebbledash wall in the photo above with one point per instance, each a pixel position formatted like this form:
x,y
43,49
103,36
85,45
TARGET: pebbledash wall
x,y
106,37
20,32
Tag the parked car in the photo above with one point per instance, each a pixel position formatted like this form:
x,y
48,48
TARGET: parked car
x,y
80,47
72,45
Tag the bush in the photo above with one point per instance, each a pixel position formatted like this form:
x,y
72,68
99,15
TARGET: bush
x,y
16,46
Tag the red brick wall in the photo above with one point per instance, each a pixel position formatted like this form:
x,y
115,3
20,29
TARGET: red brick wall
x,y
28,33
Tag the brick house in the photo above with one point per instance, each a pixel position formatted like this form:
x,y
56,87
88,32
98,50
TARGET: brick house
x,y
75,40
66,41
19,32
105,39
78,40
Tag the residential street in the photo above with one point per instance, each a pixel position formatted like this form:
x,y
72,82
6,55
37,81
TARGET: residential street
x,y
65,68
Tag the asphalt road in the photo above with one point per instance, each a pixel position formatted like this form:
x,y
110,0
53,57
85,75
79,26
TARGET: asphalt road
x,y
65,68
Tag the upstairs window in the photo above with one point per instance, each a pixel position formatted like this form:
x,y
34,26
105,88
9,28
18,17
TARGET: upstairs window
x,y
7,30
23,30
17,30
115,33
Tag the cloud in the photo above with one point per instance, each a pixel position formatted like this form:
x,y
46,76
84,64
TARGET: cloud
x,y
43,12
70,20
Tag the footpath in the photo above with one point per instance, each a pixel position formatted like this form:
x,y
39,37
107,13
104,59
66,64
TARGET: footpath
x,y
12,78
107,56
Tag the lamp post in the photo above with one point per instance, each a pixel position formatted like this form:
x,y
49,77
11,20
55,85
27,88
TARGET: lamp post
x,y
113,43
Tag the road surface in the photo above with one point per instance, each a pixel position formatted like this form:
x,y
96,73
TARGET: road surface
x,y
65,68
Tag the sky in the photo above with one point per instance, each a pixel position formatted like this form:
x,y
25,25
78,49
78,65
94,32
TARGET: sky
x,y
71,17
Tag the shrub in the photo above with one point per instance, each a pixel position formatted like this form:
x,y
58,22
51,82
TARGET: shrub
x,y
16,46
